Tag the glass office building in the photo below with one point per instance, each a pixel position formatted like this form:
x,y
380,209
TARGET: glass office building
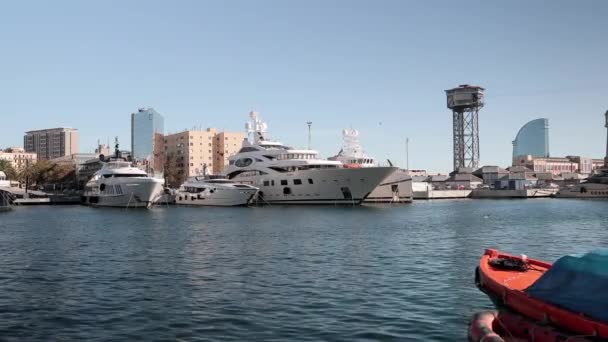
x,y
532,139
146,125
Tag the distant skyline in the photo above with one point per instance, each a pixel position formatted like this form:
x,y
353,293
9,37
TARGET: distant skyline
x,y
378,66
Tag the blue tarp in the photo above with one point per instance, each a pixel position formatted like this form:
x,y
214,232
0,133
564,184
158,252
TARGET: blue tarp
x,y
576,283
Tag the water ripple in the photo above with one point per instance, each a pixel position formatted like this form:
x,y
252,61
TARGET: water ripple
x,y
376,273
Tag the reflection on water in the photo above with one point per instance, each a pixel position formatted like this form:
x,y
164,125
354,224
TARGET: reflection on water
x,y
273,273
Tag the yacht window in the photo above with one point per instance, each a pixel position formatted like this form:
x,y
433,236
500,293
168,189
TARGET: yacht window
x,y
243,162
248,149
286,191
266,183
125,175
310,181
283,182
269,157
297,182
272,182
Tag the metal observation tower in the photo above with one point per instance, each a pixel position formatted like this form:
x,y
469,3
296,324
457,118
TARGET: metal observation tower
x,y
465,103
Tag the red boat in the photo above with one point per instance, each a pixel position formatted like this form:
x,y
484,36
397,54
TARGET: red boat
x,y
505,326
505,278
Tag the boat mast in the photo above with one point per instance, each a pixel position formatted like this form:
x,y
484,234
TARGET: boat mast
x,y
256,128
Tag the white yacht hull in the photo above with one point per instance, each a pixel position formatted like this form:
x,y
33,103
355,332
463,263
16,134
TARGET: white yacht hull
x,y
396,188
317,186
124,193
220,197
590,190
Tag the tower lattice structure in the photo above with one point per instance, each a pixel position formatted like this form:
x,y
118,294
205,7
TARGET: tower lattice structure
x,y
465,102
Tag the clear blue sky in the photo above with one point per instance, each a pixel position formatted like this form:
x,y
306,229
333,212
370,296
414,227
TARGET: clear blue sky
x,y
378,66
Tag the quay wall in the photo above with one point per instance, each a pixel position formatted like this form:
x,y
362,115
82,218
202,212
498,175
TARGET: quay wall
x,y
441,194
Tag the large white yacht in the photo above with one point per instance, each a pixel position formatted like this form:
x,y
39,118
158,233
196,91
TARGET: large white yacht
x,y
210,190
596,186
396,187
119,184
298,176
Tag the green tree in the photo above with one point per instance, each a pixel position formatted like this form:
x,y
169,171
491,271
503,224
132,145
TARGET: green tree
x,y
172,178
8,169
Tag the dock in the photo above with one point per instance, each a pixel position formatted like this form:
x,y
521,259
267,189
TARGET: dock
x,y
525,193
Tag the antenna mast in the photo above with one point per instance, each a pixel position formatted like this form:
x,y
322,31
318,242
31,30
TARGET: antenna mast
x,y
309,123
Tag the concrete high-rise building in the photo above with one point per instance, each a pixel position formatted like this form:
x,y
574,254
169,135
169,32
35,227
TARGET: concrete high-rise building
x,y
194,150
51,143
147,128
532,139
226,145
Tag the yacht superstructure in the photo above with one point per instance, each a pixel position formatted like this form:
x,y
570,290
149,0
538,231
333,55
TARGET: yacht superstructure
x,y
396,187
298,176
119,184
214,191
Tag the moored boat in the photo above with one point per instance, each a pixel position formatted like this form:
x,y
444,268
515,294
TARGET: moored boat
x,y
5,202
396,187
596,186
569,294
214,191
287,175
119,184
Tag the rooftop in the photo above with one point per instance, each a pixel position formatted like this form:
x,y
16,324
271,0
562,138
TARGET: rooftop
x,y
52,129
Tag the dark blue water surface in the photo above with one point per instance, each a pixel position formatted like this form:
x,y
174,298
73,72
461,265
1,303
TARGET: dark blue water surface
x,y
270,273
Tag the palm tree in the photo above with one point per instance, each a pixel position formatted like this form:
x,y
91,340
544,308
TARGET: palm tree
x,y
8,169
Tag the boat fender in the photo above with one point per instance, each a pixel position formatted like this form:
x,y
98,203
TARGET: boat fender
x,y
480,329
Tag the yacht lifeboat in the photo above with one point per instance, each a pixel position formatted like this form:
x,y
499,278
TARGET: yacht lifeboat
x,y
570,294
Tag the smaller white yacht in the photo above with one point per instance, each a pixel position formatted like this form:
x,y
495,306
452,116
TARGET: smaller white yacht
x,y
396,187
119,184
596,186
210,190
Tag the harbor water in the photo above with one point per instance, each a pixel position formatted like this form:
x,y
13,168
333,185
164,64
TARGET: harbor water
x,y
387,272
